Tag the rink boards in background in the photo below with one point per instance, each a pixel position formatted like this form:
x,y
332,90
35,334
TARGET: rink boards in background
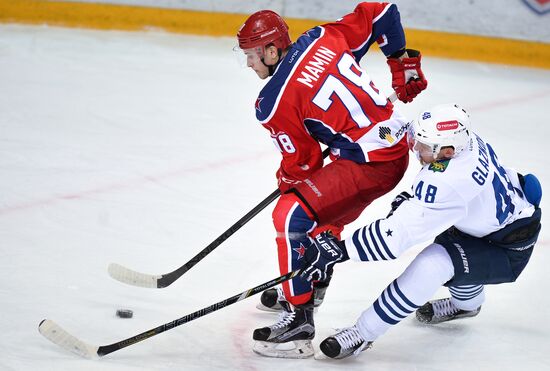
x,y
214,20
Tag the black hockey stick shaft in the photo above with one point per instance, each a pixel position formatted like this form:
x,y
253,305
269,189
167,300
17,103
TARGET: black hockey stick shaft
x,y
106,349
169,278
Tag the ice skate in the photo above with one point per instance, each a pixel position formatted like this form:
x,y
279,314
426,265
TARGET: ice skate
x,y
291,336
442,310
346,343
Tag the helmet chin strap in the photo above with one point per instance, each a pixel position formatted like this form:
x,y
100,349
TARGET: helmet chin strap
x,y
272,68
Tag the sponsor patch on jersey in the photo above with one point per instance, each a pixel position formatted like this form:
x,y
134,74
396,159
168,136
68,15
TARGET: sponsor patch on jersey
x,y
439,166
384,132
447,125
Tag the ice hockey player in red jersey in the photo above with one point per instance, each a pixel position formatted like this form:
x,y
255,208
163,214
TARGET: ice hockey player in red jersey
x,y
318,93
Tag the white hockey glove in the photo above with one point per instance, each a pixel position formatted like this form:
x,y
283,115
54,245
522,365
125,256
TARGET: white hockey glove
x,y
321,255
397,201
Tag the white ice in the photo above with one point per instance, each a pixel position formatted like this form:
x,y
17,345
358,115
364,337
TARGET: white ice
x,y
141,148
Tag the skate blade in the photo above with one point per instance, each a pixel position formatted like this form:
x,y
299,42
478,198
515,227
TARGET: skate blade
x,y
320,356
296,349
263,308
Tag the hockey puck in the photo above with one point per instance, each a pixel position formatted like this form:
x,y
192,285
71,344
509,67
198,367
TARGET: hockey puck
x,y
124,313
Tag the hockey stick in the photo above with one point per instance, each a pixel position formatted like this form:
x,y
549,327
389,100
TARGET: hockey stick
x,y
132,277
57,335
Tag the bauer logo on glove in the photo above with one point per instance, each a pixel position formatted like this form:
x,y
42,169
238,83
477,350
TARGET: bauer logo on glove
x,y
321,255
321,241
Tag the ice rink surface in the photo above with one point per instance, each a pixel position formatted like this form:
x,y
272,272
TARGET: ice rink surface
x,y
142,148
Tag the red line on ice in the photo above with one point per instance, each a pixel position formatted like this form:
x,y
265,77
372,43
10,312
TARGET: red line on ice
x,y
131,183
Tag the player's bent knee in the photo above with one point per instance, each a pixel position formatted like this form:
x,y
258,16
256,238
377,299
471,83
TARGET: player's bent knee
x,y
436,260
289,215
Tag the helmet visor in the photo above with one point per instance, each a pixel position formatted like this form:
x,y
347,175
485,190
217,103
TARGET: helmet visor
x,y
248,57
419,148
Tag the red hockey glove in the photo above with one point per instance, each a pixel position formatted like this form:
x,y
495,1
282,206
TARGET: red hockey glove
x,y
407,78
284,183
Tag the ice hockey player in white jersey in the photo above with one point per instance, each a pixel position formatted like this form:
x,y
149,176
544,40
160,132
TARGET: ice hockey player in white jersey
x,y
485,219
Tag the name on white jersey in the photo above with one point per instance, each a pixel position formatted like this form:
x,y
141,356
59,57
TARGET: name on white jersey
x,y
316,66
480,174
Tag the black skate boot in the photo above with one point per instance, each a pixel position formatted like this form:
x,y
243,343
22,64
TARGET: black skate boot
x,y
442,310
269,301
291,336
344,344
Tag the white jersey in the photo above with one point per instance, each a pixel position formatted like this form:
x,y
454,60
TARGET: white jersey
x,y
472,192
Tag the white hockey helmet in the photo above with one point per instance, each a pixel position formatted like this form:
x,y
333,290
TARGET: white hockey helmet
x,y
445,125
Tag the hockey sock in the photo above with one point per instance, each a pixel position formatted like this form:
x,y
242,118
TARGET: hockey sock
x,y
468,297
415,286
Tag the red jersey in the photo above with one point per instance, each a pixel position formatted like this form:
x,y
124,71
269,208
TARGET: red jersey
x,y
320,94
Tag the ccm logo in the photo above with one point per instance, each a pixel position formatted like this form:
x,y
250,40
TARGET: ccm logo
x,y
447,125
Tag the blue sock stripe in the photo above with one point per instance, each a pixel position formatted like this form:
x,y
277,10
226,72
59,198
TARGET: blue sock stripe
x,y
403,297
464,297
390,308
395,300
383,316
465,288
358,246
474,290
384,245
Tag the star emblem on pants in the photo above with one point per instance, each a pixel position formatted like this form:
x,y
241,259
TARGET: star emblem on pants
x,y
300,250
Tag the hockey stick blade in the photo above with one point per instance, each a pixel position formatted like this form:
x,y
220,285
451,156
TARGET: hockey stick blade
x,y
57,335
131,277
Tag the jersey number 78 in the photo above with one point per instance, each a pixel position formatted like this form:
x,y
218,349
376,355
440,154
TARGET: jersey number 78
x,y
348,68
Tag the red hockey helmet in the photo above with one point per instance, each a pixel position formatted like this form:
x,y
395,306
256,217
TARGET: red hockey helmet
x,y
263,28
